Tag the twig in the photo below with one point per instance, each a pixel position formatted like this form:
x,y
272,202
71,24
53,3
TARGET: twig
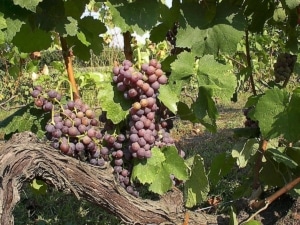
x,y
267,203
3,103
258,163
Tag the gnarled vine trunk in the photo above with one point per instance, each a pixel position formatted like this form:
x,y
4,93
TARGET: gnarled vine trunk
x,y
23,158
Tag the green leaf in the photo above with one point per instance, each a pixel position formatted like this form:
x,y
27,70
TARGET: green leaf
x,y
211,35
28,4
71,27
168,98
174,164
113,102
27,118
38,186
205,108
183,66
292,3
244,151
268,110
279,15
2,38
146,170
220,166
196,187
156,171
185,113
2,21
138,14
24,39
233,218
252,222
258,13
282,158
217,76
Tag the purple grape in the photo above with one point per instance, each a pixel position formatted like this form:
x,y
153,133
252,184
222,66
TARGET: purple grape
x,y
47,106
100,162
119,154
73,131
50,128
162,79
134,137
79,146
116,70
104,151
71,105
139,125
93,161
117,169
35,93
118,162
57,133
52,94
121,137
39,88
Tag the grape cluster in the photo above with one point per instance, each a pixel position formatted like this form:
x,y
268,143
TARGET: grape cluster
x,y
73,128
171,36
142,87
249,122
284,66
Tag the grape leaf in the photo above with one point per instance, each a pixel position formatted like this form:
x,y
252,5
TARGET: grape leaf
x,y
258,13
243,151
183,66
71,28
2,38
292,3
2,21
156,171
217,76
146,170
270,112
282,158
113,102
220,166
38,186
174,164
197,186
138,14
13,26
210,36
28,4
24,39
168,98
27,118
185,113
205,108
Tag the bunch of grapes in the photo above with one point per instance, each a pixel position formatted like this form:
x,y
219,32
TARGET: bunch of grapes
x,y
284,66
142,87
171,37
73,128
249,122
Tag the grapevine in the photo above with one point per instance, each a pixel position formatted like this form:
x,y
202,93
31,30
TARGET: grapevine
x,y
74,130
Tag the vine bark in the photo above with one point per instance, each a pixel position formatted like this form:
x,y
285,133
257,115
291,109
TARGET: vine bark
x,y
23,158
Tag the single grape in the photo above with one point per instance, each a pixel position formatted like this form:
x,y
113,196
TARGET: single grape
x,y
130,189
90,114
39,88
64,147
39,102
118,162
93,161
139,125
119,154
82,129
52,94
47,106
117,145
73,131
100,162
134,137
57,133
104,151
116,70
35,93
162,79
79,146
86,140
121,137
49,128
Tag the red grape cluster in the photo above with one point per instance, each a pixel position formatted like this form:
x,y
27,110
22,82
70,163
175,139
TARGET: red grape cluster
x,y
284,66
142,87
249,122
73,128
